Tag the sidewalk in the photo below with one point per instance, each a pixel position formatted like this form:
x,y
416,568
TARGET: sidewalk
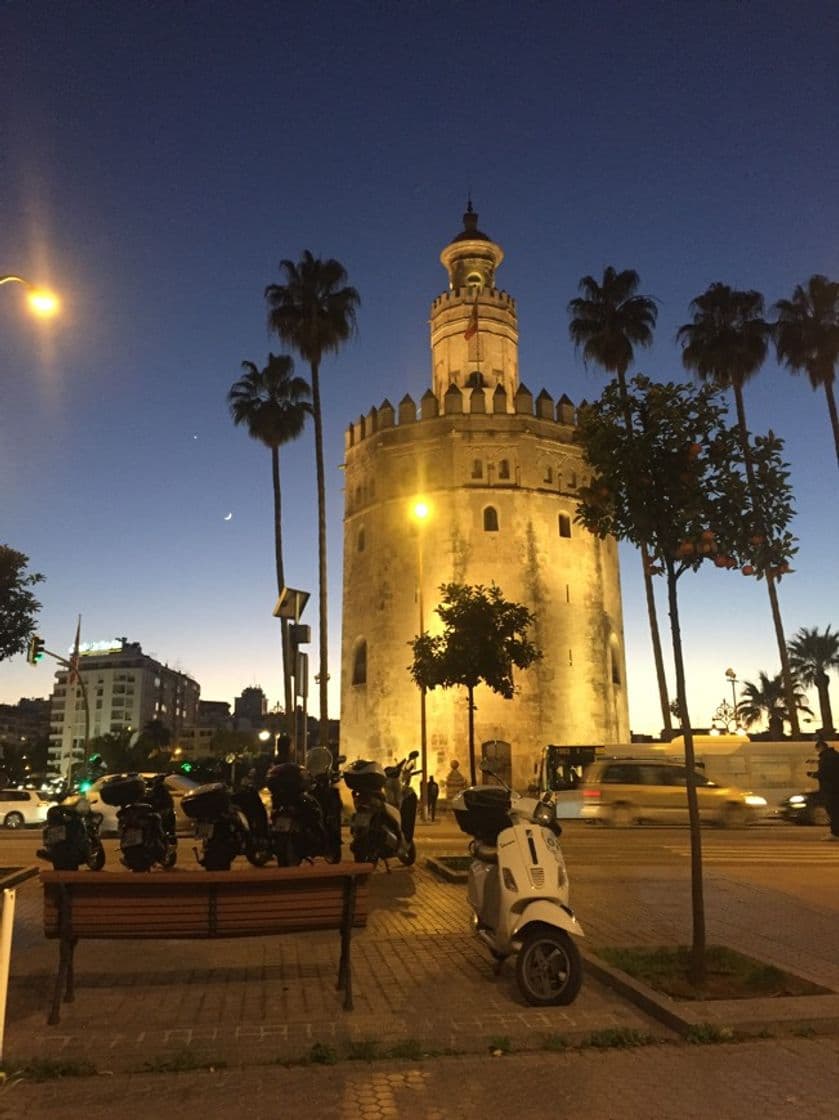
x,y
420,981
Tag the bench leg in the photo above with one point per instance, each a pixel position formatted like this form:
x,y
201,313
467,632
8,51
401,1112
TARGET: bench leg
x,y
345,967
63,981
70,992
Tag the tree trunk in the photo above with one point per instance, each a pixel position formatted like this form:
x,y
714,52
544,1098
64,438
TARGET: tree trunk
x,y
786,673
834,416
697,965
278,555
470,692
825,710
323,672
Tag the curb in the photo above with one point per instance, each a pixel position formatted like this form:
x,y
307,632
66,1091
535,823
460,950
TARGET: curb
x,y
447,873
745,1014
18,875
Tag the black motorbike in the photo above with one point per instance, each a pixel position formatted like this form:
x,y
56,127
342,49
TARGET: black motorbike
x,y
385,816
326,774
297,825
146,820
71,836
228,825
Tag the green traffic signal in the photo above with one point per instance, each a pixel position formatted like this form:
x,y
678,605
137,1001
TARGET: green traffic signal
x,y
35,652
186,767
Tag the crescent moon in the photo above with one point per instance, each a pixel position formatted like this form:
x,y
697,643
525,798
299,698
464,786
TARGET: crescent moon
x,y
228,517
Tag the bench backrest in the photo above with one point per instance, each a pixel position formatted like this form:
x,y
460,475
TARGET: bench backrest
x,y
198,904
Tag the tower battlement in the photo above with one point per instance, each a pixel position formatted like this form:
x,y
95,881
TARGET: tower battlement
x,y
463,402
458,296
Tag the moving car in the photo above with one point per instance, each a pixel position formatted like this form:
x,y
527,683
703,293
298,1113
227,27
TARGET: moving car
x,y
806,807
624,791
20,807
177,784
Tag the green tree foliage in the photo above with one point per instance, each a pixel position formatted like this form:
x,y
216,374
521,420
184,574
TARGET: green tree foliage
x,y
273,404
813,656
668,469
18,606
314,311
766,700
483,639
807,338
608,321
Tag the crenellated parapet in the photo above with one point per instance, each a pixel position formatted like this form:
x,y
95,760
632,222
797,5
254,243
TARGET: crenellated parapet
x,y
464,403
488,297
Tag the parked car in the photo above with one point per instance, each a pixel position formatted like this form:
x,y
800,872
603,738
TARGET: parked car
x,y
806,807
177,784
624,791
21,807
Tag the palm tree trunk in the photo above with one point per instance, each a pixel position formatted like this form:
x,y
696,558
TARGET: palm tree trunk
x,y
834,416
825,710
649,590
786,673
697,965
664,699
323,671
288,699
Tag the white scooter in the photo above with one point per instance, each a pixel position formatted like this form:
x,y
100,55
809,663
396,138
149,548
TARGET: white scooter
x,y
518,890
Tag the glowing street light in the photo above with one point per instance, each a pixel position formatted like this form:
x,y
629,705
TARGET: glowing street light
x,y
42,302
420,512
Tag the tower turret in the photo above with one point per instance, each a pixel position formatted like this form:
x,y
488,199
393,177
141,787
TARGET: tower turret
x,y
474,329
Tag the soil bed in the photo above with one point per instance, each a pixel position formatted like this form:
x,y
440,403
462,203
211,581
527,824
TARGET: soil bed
x,y
729,975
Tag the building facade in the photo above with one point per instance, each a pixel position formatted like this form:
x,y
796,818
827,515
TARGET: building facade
x,y
498,472
126,689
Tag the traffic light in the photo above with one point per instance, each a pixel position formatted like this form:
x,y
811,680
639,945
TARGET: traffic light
x,y
35,653
186,767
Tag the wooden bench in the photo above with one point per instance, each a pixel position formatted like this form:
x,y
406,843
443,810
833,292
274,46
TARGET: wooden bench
x,y
202,904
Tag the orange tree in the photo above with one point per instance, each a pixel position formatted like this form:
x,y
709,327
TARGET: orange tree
x,y
668,469
483,638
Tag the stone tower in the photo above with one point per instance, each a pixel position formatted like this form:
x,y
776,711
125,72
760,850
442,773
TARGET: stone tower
x,y
498,472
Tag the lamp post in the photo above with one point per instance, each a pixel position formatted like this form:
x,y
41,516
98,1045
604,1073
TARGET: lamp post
x,y
732,676
420,511
42,302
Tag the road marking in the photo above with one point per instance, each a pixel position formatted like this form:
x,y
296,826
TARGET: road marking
x,y
766,854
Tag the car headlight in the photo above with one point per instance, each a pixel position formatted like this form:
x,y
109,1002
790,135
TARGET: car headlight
x,y
797,799
753,799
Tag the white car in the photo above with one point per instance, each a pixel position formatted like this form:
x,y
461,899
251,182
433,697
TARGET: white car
x,y
20,807
177,784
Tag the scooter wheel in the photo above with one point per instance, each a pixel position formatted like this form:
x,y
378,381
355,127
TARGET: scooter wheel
x,y
217,858
258,857
97,858
549,969
410,857
136,861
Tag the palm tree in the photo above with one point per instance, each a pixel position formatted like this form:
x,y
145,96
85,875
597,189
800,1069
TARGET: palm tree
x,y
608,321
314,311
727,343
766,700
807,337
812,656
273,404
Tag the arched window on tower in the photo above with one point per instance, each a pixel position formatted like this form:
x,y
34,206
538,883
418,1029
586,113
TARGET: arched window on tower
x,y
475,380
474,282
359,663
564,525
614,662
360,539
490,519
477,468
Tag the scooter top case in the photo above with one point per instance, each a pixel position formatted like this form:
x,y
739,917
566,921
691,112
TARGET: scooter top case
x,y
483,812
123,789
365,777
288,780
207,802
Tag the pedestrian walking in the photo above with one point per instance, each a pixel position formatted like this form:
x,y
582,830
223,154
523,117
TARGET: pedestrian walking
x,y
455,782
827,775
432,793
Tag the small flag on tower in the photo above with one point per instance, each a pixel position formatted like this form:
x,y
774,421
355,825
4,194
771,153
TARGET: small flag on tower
x,y
472,325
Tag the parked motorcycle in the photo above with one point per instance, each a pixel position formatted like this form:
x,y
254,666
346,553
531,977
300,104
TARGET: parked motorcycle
x,y
228,825
297,825
518,889
71,836
326,774
382,826
146,820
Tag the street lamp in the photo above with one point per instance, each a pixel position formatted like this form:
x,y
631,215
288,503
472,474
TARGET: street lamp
x,y
42,302
732,676
420,512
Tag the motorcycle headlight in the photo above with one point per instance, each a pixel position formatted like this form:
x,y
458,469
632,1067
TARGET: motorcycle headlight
x,y
545,813
753,799
797,799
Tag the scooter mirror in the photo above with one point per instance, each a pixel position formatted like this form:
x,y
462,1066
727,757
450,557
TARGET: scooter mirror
x,y
414,754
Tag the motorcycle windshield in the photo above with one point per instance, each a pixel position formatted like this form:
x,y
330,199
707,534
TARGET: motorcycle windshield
x,y
319,761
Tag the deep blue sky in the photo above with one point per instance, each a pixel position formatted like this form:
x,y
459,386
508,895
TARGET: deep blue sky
x,y
160,159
